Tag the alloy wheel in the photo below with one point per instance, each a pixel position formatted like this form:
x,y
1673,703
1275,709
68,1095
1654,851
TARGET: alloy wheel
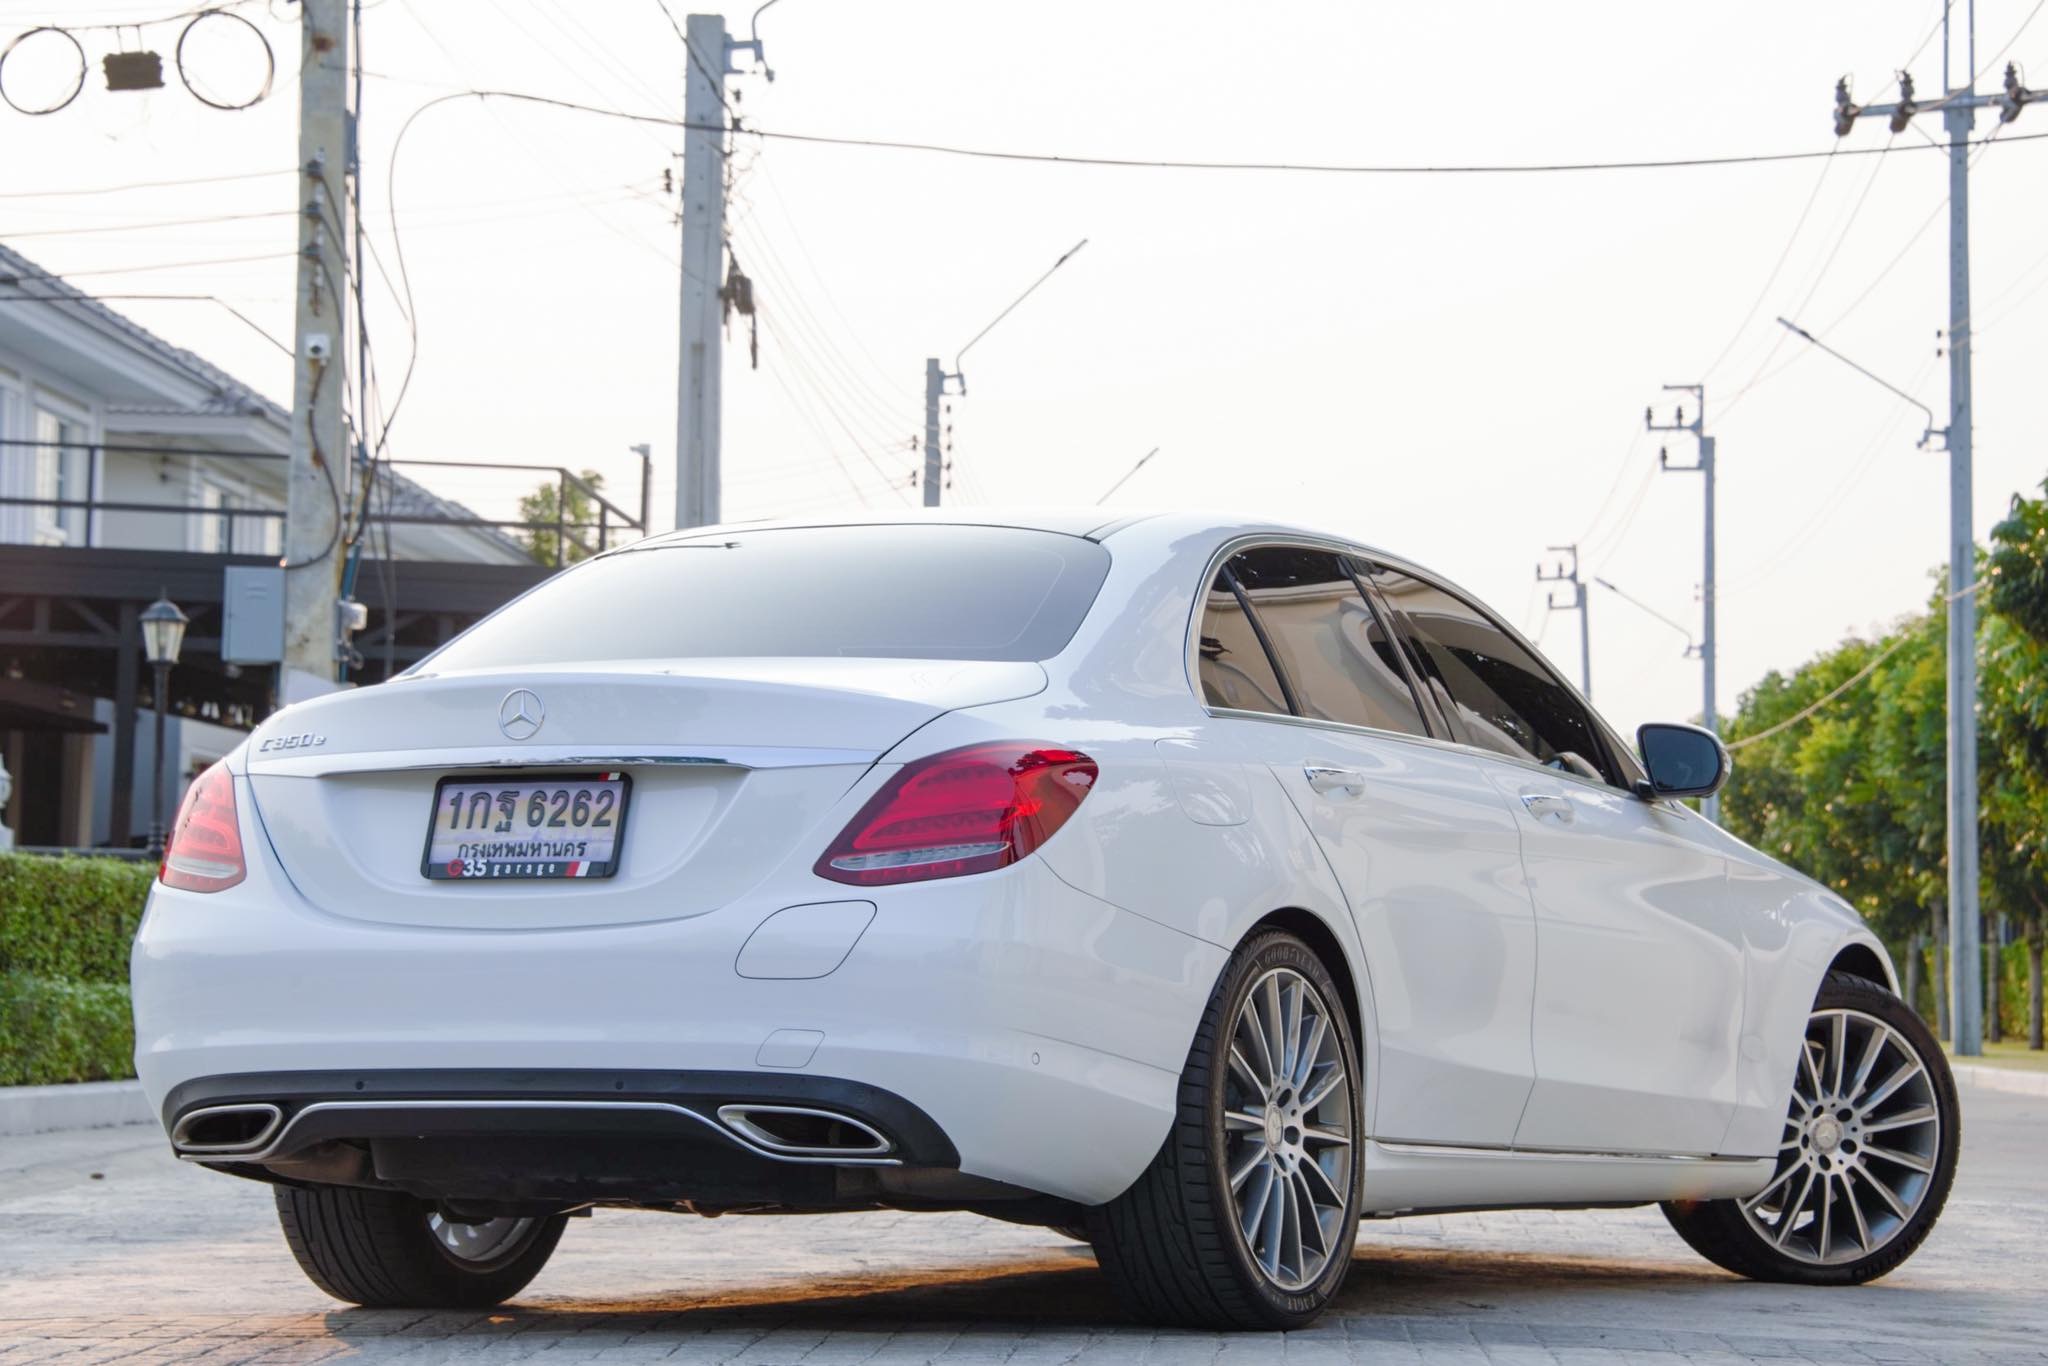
x,y
1287,1130
475,1244
1860,1144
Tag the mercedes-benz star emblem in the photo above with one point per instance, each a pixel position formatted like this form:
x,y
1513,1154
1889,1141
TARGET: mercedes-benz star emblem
x,y
520,715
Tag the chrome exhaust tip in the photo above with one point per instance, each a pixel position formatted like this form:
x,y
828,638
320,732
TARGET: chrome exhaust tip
x,y
227,1129
798,1131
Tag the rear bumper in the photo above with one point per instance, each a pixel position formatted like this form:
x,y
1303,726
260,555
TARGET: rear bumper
x,y
1036,1032
494,1139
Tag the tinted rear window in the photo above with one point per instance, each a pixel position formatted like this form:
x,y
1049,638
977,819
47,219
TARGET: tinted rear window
x,y
902,592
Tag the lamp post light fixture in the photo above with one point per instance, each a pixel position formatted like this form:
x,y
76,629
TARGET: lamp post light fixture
x,y
163,633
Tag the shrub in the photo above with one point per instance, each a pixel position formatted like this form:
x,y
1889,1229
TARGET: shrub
x,y
57,1031
71,918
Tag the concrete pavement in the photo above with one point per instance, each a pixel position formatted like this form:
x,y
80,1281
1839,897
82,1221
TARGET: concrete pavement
x,y
110,1250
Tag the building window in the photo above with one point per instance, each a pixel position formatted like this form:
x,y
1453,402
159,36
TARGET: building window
x,y
61,475
221,532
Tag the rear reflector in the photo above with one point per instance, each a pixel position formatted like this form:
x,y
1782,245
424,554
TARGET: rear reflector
x,y
204,853
968,810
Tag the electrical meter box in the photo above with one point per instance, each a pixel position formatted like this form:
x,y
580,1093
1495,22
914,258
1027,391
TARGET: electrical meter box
x,y
252,615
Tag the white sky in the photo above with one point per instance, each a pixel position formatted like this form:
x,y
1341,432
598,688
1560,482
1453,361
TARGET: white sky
x,y
1452,367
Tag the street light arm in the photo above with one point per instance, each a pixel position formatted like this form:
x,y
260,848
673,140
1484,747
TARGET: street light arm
x,y
1069,254
1879,380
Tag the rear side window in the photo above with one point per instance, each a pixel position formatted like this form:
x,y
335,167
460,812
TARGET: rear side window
x,y
1327,639
1504,698
1235,669
902,592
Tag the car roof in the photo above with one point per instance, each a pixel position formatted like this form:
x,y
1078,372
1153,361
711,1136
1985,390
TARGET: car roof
x,y
1091,523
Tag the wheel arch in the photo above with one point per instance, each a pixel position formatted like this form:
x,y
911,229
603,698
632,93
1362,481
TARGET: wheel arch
x,y
1312,930
1865,959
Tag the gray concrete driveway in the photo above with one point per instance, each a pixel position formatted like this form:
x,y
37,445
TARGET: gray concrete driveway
x,y
112,1251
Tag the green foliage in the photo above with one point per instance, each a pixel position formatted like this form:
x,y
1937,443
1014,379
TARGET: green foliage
x,y
2018,566
1835,796
57,1031
1856,794
2013,688
577,513
71,918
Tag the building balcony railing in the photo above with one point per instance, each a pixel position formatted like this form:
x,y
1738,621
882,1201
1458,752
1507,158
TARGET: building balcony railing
x,y
553,540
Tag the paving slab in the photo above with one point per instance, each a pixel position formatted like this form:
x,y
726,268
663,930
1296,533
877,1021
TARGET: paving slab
x,y
111,1250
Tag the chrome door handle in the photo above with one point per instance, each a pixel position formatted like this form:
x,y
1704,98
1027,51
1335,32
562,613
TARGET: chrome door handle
x,y
1543,804
1333,781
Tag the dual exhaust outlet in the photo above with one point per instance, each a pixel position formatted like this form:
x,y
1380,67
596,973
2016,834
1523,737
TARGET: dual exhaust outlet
x,y
791,1133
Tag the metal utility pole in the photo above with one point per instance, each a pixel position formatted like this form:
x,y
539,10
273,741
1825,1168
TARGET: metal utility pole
x,y
319,454
1567,571
699,385
1704,466
1958,105
936,378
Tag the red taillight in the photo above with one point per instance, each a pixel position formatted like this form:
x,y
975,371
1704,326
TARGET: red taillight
x,y
968,810
205,849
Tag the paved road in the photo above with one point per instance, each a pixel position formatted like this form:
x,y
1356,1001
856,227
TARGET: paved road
x,y
112,1251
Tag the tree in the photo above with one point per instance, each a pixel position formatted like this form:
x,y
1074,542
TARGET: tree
x,y
1842,764
564,503
2015,728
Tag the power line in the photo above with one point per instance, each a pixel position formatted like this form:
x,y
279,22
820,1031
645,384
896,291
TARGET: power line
x,y
2032,14
1142,163
1804,712
1820,277
255,326
160,223
148,184
176,265
1783,256
1330,168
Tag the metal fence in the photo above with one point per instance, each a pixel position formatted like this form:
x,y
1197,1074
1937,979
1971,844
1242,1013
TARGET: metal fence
x,y
567,538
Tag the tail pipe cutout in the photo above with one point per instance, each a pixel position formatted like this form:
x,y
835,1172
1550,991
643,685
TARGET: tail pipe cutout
x,y
796,1131
227,1129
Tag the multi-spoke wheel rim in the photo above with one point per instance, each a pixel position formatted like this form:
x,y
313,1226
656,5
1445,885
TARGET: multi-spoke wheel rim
x,y
1287,1129
1861,1142
485,1241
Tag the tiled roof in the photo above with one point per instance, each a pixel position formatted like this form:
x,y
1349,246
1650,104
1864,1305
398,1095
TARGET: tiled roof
x,y
230,397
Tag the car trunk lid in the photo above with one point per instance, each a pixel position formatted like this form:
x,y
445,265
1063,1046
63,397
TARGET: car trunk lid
x,y
731,765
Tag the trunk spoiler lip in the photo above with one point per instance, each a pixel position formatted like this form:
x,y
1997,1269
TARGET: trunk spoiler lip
x,y
458,758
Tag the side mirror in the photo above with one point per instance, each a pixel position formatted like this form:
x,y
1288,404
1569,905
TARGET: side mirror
x,y
1682,761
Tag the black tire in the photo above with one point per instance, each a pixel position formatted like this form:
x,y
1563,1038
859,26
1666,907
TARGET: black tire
x,y
1172,1245
1720,1231
378,1249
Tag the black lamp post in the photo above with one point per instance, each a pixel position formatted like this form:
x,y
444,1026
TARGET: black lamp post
x,y
163,632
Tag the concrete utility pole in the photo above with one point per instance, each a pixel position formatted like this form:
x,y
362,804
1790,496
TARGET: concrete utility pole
x,y
1704,466
1567,571
935,378
319,455
1958,105
699,385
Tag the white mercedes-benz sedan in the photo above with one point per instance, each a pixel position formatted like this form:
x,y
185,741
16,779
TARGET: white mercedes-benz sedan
x,y
1192,886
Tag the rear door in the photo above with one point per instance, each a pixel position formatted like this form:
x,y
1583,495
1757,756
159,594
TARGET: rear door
x,y
1298,668
1639,952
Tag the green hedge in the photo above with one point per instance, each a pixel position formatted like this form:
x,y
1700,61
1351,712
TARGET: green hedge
x,y
70,918
57,1031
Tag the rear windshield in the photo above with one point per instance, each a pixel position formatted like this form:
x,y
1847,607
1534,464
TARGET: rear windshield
x,y
903,592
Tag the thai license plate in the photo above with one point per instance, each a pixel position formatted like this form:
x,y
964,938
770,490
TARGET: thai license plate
x,y
562,827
